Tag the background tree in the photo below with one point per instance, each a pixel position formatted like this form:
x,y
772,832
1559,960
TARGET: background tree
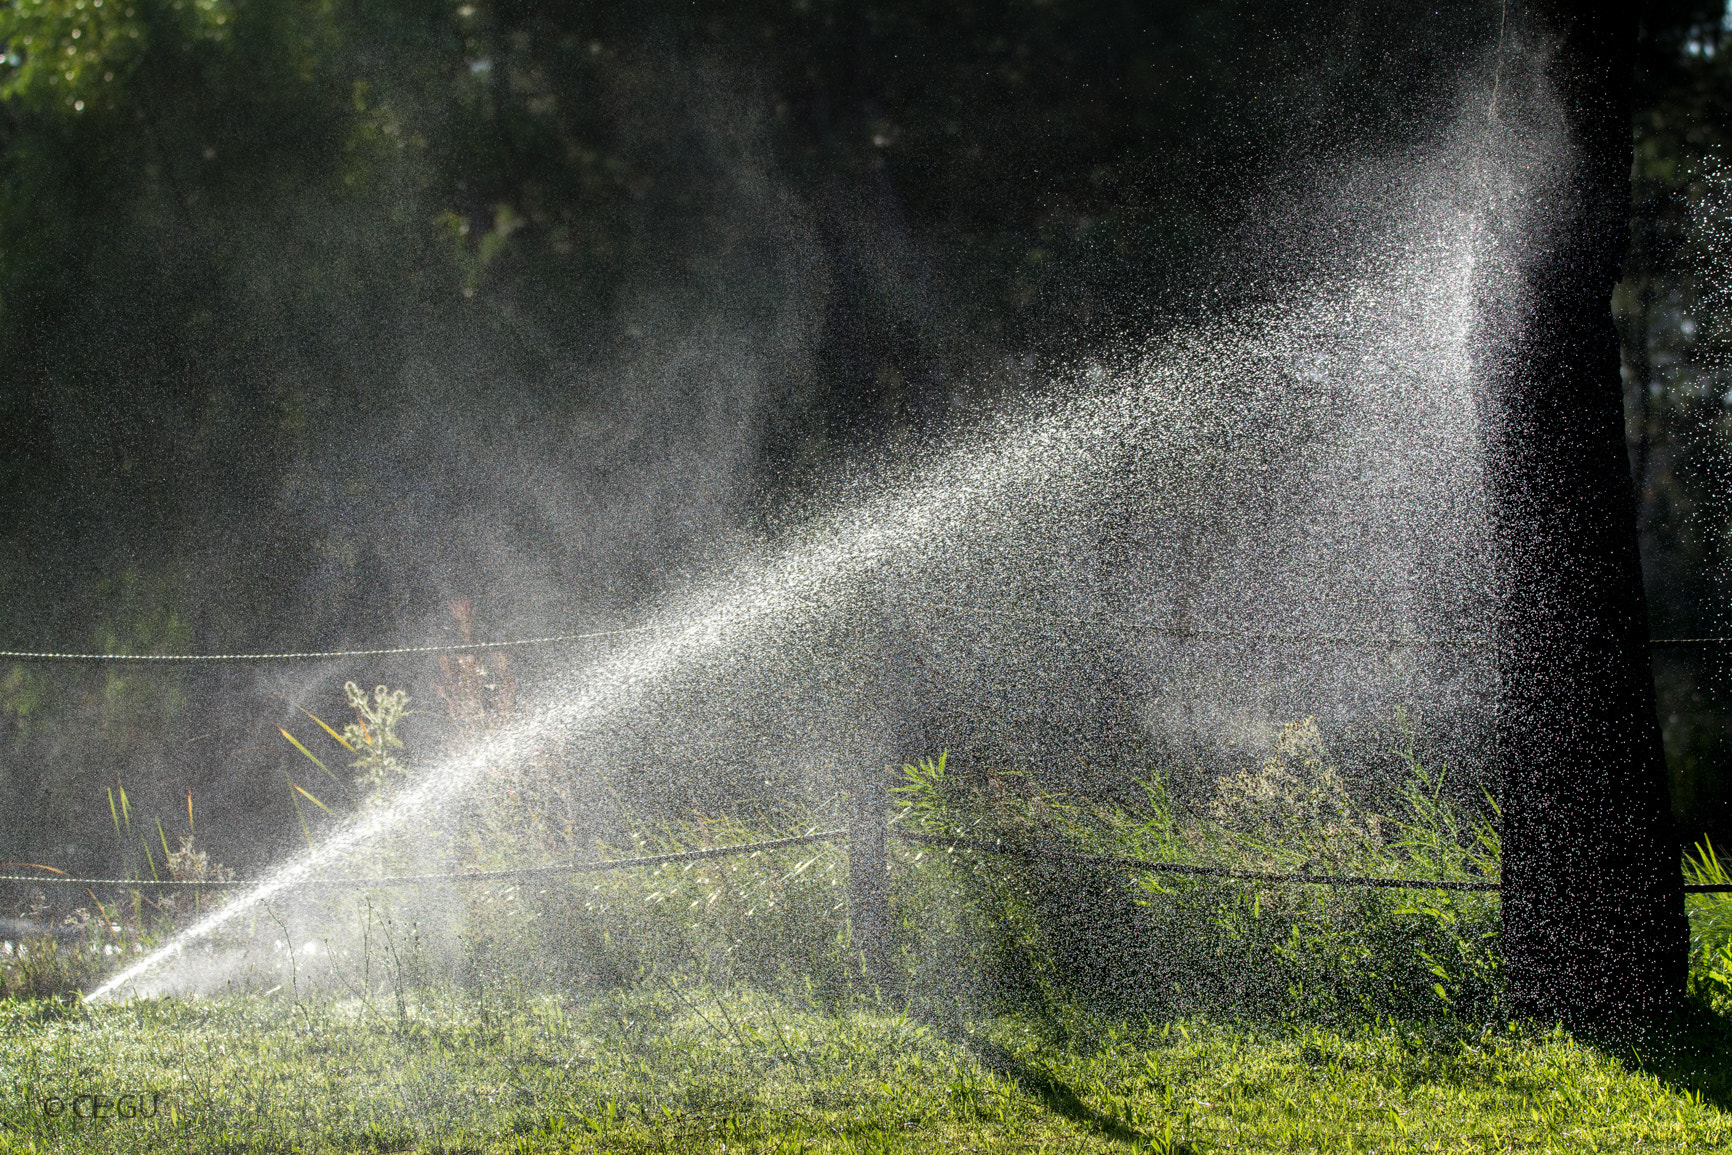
x,y
1594,921
1672,316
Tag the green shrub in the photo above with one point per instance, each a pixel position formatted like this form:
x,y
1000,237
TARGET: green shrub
x,y
1710,927
1035,928
774,918
1120,940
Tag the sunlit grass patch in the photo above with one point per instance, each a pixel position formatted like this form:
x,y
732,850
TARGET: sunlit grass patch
x,y
671,1068
1388,1088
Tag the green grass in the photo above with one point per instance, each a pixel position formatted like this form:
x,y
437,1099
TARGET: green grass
x,y
670,1069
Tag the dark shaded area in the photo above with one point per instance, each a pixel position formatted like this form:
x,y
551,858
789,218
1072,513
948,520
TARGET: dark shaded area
x,y
1592,898
1671,317
1056,1095
317,320
1686,1049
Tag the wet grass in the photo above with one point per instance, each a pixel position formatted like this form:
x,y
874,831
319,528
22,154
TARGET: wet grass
x,y
1278,1018
666,1068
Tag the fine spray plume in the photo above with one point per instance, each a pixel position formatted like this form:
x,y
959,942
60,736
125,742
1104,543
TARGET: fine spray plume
x,y
1159,559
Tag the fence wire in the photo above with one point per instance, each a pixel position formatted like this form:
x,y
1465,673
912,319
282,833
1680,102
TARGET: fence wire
x,y
594,867
1049,853
1080,858
317,655
1204,633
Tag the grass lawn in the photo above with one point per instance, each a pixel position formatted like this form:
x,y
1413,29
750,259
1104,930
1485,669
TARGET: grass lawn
x,y
679,1070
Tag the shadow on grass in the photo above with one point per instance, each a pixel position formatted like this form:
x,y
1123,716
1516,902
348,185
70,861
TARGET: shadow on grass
x,y
1059,1098
1690,1051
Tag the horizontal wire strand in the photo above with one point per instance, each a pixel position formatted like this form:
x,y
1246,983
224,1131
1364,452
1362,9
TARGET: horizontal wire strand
x,y
318,655
1394,641
1084,859
455,876
1052,853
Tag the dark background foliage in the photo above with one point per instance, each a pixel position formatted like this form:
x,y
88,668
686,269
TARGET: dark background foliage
x,y
316,317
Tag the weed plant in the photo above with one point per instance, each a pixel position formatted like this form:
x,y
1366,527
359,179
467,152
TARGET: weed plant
x,y
1030,931
54,965
774,918
50,951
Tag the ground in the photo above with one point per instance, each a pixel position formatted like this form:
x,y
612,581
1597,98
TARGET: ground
x,y
684,1070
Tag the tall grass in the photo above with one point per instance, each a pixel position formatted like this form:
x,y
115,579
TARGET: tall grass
x,y
975,932
56,947
978,932
1710,927
1125,941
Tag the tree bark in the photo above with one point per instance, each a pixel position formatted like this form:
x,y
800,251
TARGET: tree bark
x,y
1594,925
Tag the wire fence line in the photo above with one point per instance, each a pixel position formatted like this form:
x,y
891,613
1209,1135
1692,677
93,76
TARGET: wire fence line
x,y
594,867
1055,854
318,655
1206,633
1050,853
1465,641
1082,858
1218,633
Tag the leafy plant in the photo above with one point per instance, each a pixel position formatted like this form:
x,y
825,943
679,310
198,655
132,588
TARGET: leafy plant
x,y
1061,932
373,734
1710,926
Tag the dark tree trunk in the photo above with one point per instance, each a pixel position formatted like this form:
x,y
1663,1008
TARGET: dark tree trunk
x,y
1594,925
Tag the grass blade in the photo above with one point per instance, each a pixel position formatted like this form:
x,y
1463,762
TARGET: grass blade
x,y
310,798
342,740
295,742
306,831
34,866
